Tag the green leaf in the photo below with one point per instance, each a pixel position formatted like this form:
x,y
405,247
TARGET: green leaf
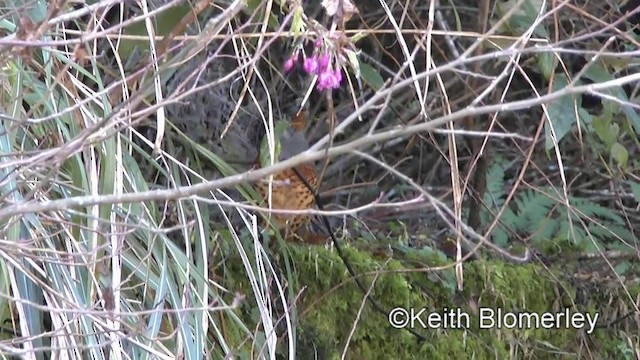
x,y
562,113
545,64
297,24
354,62
371,76
357,37
252,8
606,131
598,73
590,247
620,154
635,189
622,268
523,17
163,24
37,10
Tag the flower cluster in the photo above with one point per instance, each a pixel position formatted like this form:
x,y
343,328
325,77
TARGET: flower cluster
x,y
320,63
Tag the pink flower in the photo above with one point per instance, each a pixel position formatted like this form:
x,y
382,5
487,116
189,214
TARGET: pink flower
x,y
329,79
323,62
319,42
338,77
311,65
288,65
325,80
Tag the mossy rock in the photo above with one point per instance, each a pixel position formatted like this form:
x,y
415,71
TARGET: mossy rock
x,y
331,303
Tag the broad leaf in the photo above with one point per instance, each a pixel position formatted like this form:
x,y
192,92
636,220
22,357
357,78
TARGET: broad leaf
x,y
371,76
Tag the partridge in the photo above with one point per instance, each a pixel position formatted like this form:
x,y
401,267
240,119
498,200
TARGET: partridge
x,y
288,191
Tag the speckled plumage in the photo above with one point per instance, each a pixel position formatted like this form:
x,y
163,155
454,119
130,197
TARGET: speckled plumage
x,y
288,191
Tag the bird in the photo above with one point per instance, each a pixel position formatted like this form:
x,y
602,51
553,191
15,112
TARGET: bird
x,y
288,191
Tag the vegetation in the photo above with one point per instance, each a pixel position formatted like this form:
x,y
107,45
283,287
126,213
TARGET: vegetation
x,y
471,155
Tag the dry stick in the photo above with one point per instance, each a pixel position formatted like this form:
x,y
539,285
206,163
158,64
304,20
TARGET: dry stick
x,y
252,69
57,80
479,179
59,154
7,42
368,106
437,204
331,112
307,156
164,44
415,78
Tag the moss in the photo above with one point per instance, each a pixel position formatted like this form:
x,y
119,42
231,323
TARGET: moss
x,y
330,303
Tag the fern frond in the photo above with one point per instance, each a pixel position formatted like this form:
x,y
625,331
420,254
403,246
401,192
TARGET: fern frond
x,y
589,209
533,210
495,194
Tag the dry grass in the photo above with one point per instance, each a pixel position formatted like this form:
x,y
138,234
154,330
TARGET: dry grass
x,y
124,170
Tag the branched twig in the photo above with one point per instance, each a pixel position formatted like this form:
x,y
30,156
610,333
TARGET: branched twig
x,y
308,156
